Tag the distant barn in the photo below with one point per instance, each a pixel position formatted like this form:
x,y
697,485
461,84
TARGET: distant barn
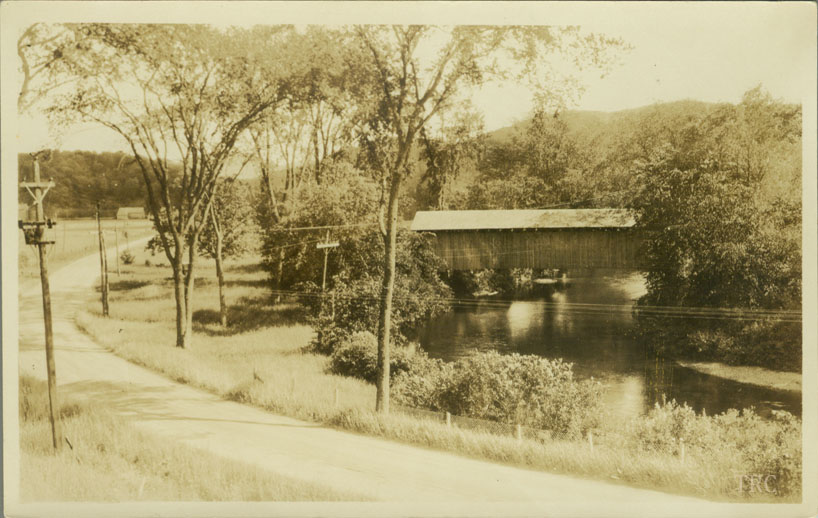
x,y
130,213
557,238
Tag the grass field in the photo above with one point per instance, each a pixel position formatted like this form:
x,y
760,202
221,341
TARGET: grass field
x,y
260,359
77,238
110,461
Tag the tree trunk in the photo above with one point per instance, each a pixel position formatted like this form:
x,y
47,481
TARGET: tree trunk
x,y
387,288
189,282
280,275
182,335
220,275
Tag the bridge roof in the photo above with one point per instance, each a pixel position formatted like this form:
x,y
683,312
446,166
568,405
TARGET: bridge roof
x,y
441,220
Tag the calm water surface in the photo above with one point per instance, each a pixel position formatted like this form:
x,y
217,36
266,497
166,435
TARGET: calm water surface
x,y
552,322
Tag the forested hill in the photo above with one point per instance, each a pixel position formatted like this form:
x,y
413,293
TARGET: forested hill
x,y
84,177
582,158
591,124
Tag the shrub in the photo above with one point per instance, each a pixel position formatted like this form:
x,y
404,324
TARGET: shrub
x,y
523,389
767,343
357,356
421,386
126,257
328,335
752,444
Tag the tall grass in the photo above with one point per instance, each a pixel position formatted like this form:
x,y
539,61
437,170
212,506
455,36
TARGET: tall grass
x,y
262,359
109,460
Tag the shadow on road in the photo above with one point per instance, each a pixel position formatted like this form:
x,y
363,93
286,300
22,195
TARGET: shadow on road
x,y
155,403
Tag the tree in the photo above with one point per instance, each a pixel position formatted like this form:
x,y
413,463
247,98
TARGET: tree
x,y
297,143
448,156
231,231
182,90
406,93
44,51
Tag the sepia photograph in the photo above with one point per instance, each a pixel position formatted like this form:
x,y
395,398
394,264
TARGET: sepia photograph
x,y
409,258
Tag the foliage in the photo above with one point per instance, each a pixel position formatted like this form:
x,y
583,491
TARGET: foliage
x,y
405,91
298,384
354,295
770,343
447,158
764,446
357,356
711,243
347,204
523,389
716,196
127,257
183,87
82,178
45,50
233,211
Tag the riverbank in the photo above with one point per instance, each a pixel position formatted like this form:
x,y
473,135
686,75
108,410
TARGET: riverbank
x,y
260,359
759,376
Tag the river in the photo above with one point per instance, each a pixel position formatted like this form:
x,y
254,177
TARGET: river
x,y
570,321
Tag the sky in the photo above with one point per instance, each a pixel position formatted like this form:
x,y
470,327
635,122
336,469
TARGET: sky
x,y
673,56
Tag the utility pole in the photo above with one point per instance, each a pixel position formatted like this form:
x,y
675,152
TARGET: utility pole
x,y
326,246
116,240
34,232
103,265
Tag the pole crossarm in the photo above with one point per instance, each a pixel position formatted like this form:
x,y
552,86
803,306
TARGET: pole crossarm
x,y
38,198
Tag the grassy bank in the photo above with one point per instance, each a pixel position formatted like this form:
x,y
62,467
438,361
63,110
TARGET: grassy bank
x,y
110,461
260,359
778,380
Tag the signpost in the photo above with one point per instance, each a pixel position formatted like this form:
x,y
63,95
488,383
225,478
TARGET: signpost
x,y
34,232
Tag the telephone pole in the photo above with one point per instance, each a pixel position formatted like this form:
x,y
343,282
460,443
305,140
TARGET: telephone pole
x,y
103,265
326,246
34,232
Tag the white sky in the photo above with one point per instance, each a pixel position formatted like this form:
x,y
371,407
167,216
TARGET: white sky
x,y
677,54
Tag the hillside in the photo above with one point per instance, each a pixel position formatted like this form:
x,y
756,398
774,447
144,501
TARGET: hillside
x,y
592,124
81,179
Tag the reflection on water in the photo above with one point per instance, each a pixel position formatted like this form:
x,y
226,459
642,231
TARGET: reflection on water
x,y
572,322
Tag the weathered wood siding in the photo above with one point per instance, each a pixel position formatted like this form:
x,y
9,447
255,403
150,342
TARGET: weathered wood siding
x,y
552,248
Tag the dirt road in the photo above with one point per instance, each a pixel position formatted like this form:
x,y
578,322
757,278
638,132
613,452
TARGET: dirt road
x,y
382,469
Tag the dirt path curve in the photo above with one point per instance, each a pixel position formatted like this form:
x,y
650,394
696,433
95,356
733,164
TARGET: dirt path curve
x,y
382,469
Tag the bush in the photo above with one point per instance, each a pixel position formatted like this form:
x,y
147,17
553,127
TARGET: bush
x,y
767,343
357,356
753,444
126,257
522,389
354,292
328,335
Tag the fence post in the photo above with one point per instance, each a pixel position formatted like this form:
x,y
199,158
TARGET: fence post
x,y
336,397
519,432
448,419
591,440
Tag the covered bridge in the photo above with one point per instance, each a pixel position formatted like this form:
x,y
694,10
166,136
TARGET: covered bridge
x,y
566,239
